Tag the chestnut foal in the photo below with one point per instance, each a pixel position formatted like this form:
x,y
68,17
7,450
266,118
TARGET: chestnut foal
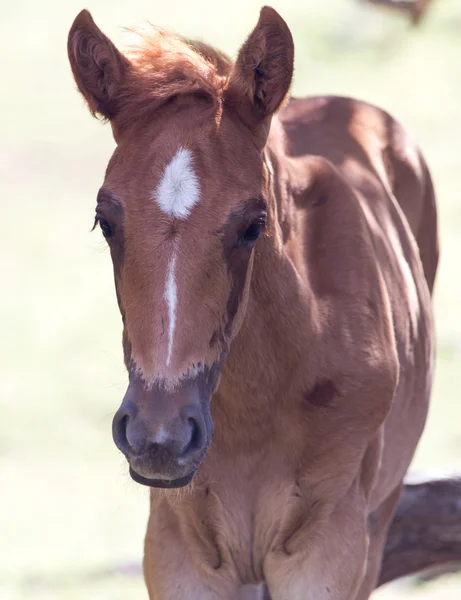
x,y
274,274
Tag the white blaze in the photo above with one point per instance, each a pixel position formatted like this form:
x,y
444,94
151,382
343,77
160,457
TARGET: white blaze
x,y
171,297
176,194
179,189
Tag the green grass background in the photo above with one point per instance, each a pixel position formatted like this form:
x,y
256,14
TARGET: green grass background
x,y
71,520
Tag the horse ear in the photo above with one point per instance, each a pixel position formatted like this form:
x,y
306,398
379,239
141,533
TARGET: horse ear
x,y
98,67
262,73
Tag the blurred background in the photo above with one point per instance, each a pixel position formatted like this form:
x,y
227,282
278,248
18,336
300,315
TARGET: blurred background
x,y
71,521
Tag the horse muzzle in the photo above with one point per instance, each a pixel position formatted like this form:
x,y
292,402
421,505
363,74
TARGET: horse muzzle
x,y
163,434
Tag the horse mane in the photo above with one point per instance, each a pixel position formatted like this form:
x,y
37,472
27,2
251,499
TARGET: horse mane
x,y
164,66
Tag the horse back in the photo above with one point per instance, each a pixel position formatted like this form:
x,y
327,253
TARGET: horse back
x,y
360,138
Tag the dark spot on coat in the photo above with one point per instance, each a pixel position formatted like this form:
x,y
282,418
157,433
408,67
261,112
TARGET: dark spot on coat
x,y
321,394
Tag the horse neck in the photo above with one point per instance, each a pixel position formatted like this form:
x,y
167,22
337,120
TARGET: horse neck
x,y
279,327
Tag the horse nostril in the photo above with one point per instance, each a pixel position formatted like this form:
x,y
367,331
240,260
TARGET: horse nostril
x,y
119,432
195,437
196,432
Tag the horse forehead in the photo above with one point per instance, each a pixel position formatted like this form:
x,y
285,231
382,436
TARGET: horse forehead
x,y
182,181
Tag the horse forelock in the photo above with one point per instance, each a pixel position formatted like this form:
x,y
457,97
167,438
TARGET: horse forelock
x,y
164,66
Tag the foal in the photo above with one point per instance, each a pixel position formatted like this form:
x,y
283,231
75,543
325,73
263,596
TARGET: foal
x,y
273,272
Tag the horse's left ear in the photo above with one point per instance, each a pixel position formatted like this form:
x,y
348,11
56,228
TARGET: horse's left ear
x,y
262,73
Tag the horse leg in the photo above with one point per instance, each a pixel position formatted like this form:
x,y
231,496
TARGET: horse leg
x,y
326,563
183,583
174,571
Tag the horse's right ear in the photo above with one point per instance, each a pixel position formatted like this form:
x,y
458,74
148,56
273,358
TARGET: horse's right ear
x,y
99,68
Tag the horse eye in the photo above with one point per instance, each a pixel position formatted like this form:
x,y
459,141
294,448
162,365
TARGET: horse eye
x,y
252,233
106,228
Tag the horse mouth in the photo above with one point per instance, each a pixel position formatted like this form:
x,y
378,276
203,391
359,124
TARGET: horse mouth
x,y
162,483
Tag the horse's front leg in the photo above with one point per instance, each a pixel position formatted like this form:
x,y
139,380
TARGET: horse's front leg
x,y
175,568
171,576
323,561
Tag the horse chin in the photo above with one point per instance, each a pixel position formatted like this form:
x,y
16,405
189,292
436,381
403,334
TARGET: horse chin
x,y
162,483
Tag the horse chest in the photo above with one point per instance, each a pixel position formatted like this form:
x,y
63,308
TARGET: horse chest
x,y
242,527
